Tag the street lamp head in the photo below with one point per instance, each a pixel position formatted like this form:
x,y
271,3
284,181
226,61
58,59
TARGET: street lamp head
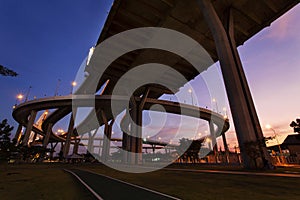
x,y
268,126
214,100
74,83
190,90
20,96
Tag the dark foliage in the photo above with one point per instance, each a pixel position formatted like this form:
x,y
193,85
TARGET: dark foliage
x,y
5,144
4,71
189,149
296,125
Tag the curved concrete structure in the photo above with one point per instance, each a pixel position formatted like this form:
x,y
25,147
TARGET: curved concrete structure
x,y
63,106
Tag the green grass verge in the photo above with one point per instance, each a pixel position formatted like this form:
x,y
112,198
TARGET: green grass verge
x,y
39,182
49,181
196,185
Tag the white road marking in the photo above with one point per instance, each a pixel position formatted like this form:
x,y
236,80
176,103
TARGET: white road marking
x,y
86,185
137,186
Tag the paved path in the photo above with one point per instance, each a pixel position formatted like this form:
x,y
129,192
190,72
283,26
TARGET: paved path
x,y
104,187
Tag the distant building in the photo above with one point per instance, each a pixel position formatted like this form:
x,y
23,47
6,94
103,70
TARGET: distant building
x,y
290,149
292,143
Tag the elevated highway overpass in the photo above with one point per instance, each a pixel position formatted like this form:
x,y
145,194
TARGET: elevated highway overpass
x,y
219,26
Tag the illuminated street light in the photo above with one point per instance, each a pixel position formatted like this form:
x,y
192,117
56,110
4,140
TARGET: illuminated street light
x,y
208,141
61,131
73,85
225,113
268,126
215,101
191,92
20,97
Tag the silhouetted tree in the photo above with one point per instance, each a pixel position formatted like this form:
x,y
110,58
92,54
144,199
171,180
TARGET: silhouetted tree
x,y
296,125
189,149
4,71
253,151
5,144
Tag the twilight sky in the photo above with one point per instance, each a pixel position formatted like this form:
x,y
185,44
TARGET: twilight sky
x,y
45,41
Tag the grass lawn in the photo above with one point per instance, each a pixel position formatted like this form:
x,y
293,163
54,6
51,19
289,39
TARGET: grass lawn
x,y
195,185
49,181
40,181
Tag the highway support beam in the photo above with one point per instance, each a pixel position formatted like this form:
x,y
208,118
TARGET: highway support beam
x,y
76,145
132,130
29,127
18,135
226,149
246,122
126,137
91,140
66,146
106,136
47,135
136,127
213,140
52,149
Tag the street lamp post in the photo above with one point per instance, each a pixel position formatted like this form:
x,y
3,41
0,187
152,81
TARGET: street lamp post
x,y
19,97
225,113
276,137
215,101
191,92
57,86
73,85
27,95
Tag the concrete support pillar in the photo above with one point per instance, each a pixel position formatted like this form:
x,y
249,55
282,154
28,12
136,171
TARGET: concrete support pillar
x,y
136,141
213,140
18,135
246,122
91,141
34,137
100,145
126,137
69,135
226,149
62,146
107,136
29,127
76,146
52,150
132,143
47,135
